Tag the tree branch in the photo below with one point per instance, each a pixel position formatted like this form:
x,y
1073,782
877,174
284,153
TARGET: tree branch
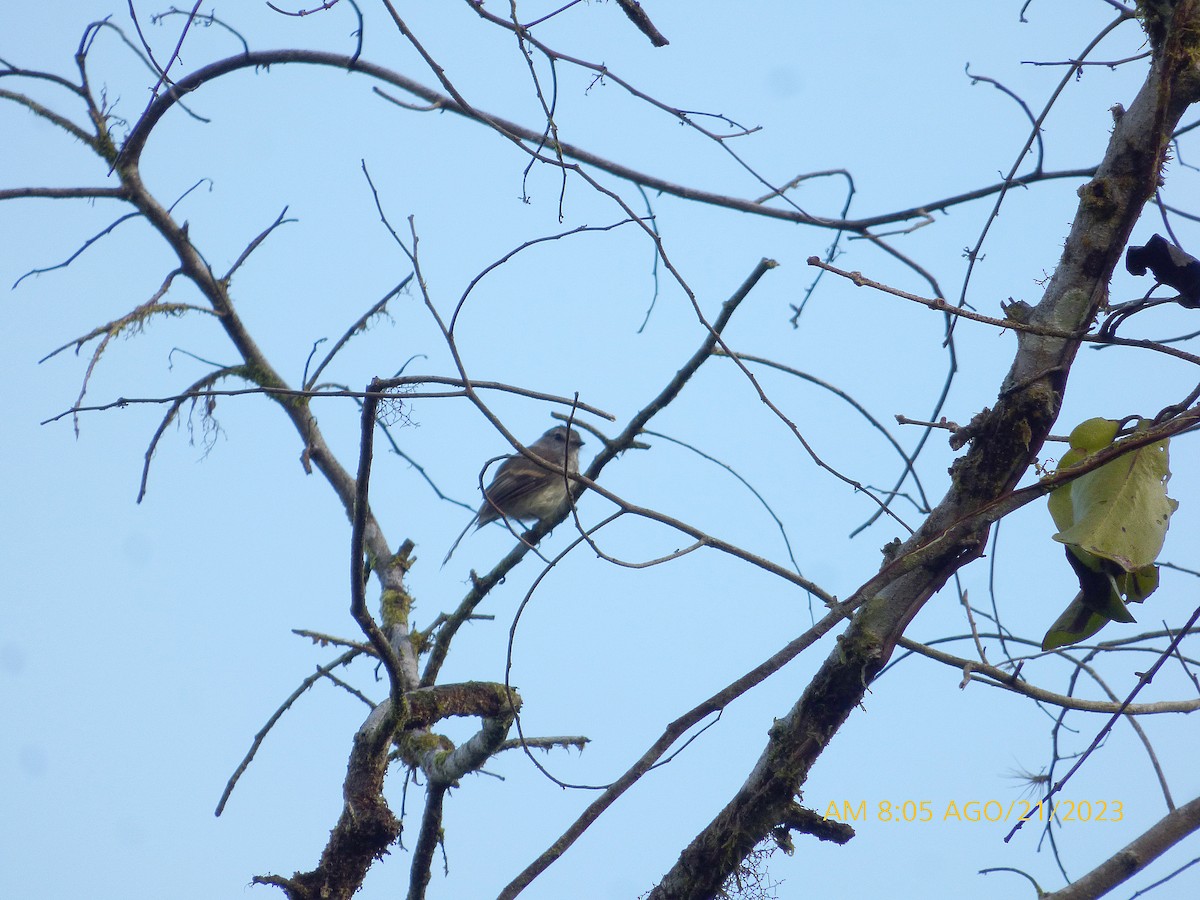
x,y
1005,444
1135,856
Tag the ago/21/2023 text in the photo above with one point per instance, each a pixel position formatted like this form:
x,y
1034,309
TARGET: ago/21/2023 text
x,y
973,811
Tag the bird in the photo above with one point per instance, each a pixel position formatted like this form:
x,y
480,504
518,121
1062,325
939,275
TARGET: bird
x,y
523,489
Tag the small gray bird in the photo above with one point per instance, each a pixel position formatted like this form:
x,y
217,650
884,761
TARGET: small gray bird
x,y
522,489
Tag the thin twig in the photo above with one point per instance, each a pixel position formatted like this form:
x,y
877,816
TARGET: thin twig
x,y
1143,680
389,385
308,682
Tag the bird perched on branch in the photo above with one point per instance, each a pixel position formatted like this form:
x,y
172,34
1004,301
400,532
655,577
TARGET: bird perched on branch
x,y
523,489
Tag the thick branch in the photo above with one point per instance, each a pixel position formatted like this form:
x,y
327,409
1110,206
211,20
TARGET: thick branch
x,y
427,841
1005,442
401,676
366,827
1123,865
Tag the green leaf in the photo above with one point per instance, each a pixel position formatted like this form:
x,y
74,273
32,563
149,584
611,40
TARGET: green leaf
x,y
1121,510
1094,434
1061,508
1113,521
1077,623
1139,584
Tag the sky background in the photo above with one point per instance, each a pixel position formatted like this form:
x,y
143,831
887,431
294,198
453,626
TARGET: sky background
x,y
143,645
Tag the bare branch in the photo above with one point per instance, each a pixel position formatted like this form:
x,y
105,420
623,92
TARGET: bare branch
x,y
732,471
388,385
328,640
359,326
1135,856
638,17
658,749
50,116
63,193
996,677
254,244
1003,447
197,391
74,256
397,681
858,407
308,682
1143,680
567,742
1012,320
428,839
134,144
973,254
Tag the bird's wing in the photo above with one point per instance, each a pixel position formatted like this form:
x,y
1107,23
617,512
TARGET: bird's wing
x,y
516,478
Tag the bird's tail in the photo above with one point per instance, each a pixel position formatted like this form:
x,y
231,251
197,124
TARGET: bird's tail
x,y
458,540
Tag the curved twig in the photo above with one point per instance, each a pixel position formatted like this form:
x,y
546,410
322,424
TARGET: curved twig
x,y
308,682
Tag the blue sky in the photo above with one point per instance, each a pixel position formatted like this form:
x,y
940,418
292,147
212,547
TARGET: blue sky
x,y
142,646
